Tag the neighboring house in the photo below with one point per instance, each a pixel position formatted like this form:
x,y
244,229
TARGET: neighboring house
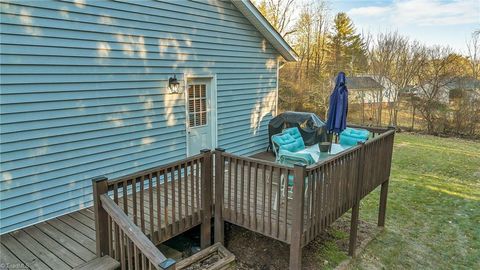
x,y
458,87
365,89
85,92
466,88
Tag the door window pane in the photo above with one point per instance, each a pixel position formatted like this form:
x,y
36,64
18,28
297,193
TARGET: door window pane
x,y
203,118
190,91
197,105
191,118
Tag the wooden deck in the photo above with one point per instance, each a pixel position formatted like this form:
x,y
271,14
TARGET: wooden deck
x,y
69,241
166,201
60,243
266,155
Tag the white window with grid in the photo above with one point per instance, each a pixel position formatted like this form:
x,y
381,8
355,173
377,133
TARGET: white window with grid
x,y
197,105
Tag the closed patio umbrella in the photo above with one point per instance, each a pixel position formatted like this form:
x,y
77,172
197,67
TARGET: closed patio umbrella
x,y
337,111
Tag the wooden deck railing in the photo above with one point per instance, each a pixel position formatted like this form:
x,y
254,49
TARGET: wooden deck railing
x,y
377,161
255,194
331,189
290,204
161,202
248,194
134,249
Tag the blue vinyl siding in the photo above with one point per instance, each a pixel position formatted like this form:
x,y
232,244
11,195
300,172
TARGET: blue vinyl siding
x,y
83,93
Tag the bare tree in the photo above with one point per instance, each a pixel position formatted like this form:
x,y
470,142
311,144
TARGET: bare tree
x,y
409,59
280,14
439,70
308,80
382,56
471,102
394,63
473,50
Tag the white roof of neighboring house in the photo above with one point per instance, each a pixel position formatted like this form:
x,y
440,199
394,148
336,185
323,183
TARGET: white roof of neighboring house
x,y
267,30
362,83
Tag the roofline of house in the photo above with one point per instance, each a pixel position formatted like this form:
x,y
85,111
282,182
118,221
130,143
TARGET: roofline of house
x,y
266,29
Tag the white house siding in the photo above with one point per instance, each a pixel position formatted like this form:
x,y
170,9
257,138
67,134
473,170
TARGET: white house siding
x,y
83,93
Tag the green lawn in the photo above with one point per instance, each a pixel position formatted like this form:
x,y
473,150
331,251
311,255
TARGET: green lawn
x,y
433,212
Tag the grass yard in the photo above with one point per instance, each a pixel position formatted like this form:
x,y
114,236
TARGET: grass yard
x,y
433,212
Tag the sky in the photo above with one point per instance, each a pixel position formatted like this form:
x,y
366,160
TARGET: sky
x,y
431,22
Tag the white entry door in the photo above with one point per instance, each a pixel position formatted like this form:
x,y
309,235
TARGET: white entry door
x,y
199,122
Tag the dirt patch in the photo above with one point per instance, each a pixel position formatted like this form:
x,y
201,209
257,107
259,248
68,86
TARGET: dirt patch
x,y
254,251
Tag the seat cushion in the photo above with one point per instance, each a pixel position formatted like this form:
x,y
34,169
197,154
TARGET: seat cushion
x,y
289,140
295,133
352,136
282,139
356,133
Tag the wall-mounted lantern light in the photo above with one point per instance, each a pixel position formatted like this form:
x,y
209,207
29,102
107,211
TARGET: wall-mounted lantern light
x,y
174,85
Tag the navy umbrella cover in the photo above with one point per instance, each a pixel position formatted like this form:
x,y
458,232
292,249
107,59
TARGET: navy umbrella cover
x,y
338,109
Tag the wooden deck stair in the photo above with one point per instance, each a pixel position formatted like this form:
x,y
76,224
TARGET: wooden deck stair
x,y
100,263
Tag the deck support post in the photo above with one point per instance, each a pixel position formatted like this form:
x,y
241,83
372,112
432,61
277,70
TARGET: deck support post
x,y
383,204
297,215
219,193
353,229
101,216
356,203
206,188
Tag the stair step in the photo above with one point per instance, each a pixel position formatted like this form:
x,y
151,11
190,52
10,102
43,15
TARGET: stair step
x,y
100,263
222,259
170,252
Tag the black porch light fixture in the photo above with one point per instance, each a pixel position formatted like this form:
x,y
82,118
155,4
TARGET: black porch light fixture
x,y
173,84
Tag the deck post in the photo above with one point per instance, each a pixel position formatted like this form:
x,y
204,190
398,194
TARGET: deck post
x,y
383,204
101,216
382,208
353,229
206,188
219,193
297,217
356,203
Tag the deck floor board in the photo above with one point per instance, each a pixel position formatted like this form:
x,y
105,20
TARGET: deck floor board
x,y
50,244
74,234
37,249
66,241
7,256
22,253
83,219
82,228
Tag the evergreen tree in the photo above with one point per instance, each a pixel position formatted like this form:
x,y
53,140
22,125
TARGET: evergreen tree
x,y
348,52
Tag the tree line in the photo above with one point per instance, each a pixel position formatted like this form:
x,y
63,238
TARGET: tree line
x,y
428,88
